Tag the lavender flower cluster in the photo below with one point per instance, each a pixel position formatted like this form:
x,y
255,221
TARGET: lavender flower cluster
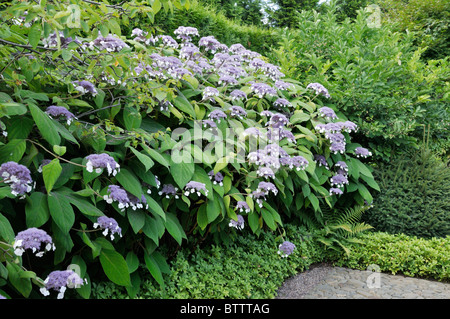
x,y
34,239
124,198
60,280
101,161
58,111
109,225
18,176
286,248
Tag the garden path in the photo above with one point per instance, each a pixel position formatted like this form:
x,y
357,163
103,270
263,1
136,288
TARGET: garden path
x,y
324,281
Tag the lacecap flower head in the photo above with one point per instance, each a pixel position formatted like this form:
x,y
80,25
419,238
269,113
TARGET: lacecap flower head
x,y
18,176
238,224
286,248
109,225
60,280
195,187
37,240
100,161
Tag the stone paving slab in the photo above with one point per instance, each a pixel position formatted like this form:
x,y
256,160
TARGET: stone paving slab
x,y
328,282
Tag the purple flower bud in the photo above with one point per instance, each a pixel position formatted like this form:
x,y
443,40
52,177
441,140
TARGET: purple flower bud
x,y
168,190
227,80
319,88
280,85
278,120
168,41
253,131
209,93
242,206
237,48
117,194
299,162
179,73
275,150
342,165
267,187
18,176
52,40
216,178
193,187
189,52
266,113
209,123
109,225
56,111
210,43
262,89
238,95
237,111
286,248
321,160
265,172
99,161
337,147
349,126
335,191
185,33
259,196
109,43
282,103
339,180
217,115
238,224
85,87
327,113
60,280
362,152
256,157
32,239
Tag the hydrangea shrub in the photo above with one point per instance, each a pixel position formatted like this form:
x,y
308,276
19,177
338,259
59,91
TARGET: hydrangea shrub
x,y
117,143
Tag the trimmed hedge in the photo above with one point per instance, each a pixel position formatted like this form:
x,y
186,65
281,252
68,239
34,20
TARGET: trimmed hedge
x,y
402,254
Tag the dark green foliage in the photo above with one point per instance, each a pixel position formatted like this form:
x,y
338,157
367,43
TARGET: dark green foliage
x,y
375,76
414,197
248,268
430,20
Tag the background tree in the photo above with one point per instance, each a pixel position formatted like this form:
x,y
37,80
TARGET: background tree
x,y
244,11
285,12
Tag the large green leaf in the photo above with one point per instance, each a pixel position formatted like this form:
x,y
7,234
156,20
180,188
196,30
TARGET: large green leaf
x,y
45,125
136,219
174,228
13,151
144,159
34,35
6,231
202,217
50,174
155,155
36,210
115,267
23,285
61,211
130,182
154,207
182,168
154,269
184,105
